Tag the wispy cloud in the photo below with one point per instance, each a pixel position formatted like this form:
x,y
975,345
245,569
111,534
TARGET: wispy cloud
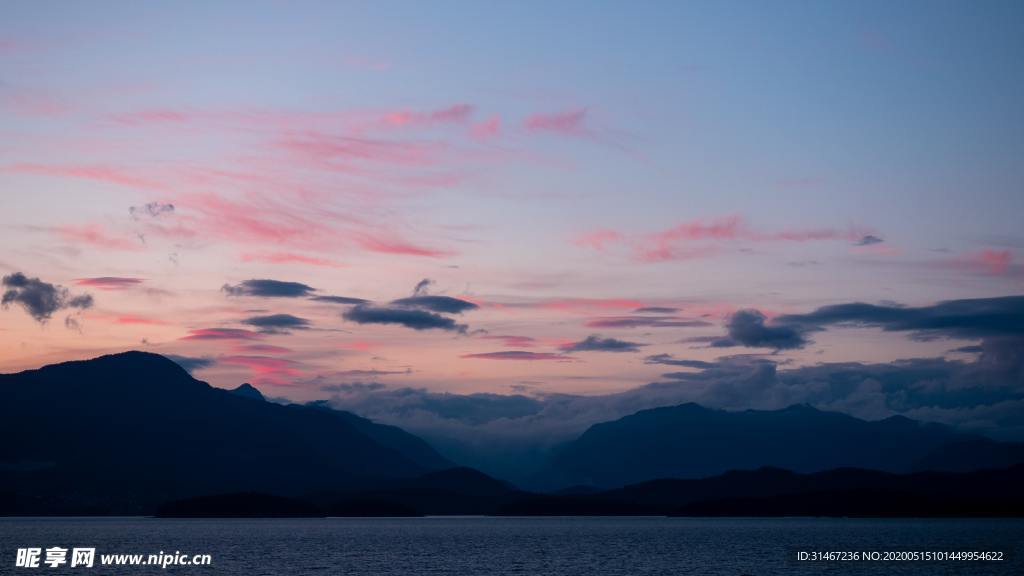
x,y
703,238
95,173
564,122
96,236
595,343
221,334
109,282
518,355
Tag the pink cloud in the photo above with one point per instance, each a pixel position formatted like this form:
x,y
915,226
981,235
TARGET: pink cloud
x,y
489,128
103,174
395,245
109,282
700,238
140,320
567,122
663,252
34,103
350,154
221,334
517,355
359,345
156,116
256,220
988,261
665,245
268,369
455,114
263,219
290,258
598,239
95,235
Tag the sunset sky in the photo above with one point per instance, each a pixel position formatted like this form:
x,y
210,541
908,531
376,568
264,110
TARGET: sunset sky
x,y
525,197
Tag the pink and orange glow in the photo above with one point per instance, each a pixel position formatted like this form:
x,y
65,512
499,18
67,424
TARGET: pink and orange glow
x,y
474,218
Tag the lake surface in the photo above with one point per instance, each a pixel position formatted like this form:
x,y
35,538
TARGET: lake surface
x,y
520,546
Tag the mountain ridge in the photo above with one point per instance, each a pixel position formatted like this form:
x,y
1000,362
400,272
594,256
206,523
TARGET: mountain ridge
x,y
126,431
691,441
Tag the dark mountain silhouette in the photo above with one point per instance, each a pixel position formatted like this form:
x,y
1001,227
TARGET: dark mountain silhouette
x,y
248,391
411,446
690,441
126,432
454,491
776,492
972,453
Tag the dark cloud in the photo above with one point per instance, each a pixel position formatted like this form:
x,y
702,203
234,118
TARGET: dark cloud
x,y
414,403
191,363
868,240
966,319
709,340
151,209
72,323
408,317
277,323
340,299
268,289
972,349
352,387
595,343
669,360
421,287
368,373
985,395
970,319
645,322
656,310
748,328
443,304
41,299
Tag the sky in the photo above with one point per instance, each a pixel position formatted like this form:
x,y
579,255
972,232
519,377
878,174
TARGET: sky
x,y
536,200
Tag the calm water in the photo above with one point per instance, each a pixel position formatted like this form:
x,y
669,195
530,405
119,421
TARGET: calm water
x,y
522,546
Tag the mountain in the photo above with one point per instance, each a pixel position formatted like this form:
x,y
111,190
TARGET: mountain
x,y
691,441
248,391
774,492
411,446
121,434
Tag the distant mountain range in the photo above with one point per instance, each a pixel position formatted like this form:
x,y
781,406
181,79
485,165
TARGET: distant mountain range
x,y
849,492
691,441
134,433
844,492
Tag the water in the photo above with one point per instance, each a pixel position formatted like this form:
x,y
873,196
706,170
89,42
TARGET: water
x,y
520,546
